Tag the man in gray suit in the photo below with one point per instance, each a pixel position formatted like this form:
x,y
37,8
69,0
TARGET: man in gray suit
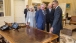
x,y
57,21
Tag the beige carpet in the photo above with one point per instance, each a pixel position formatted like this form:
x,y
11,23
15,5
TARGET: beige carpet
x,y
66,39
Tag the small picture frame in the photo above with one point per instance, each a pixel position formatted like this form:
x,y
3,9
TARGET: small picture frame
x,y
68,6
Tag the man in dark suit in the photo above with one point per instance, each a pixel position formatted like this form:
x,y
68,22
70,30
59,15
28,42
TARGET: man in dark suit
x,y
49,16
26,10
57,22
40,17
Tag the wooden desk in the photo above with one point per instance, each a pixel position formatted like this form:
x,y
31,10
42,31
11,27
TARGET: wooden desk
x,y
28,35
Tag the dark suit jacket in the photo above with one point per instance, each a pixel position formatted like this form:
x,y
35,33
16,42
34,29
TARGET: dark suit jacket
x,y
57,22
40,19
50,15
25,12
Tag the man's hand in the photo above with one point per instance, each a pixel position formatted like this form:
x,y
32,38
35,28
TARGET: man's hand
x,y
51,30
28,23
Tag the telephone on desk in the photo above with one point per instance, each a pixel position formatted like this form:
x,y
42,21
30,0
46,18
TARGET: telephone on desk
x,y
7,26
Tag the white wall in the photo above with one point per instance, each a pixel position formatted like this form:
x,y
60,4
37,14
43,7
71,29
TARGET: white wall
x,y
63,7
19,6
8,19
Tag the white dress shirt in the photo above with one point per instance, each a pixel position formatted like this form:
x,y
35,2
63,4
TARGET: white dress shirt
x,y
56,7
50,10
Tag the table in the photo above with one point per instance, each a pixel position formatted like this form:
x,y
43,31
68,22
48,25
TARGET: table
x,y
28,35
68,29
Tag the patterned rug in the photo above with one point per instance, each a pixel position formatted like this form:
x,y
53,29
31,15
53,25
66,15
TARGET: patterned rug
x,y
66,39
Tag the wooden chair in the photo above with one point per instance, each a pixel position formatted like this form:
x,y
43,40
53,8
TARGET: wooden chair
x,y
73,20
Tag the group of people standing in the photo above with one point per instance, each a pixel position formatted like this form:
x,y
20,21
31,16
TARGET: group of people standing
x,y
51,15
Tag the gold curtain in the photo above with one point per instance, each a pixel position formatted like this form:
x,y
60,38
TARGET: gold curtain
x,y
7,4
29,2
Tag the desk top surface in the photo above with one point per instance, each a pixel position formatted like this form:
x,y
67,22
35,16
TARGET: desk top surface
x,y
27,35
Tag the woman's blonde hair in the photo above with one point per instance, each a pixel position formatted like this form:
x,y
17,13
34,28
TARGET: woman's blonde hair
x,y
32,7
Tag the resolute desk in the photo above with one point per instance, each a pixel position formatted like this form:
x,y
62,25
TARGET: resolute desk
x,y
28,35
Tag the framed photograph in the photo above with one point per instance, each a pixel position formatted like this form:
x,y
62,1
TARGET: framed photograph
x,y
68,6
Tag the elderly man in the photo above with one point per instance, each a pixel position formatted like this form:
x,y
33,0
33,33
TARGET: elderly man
x,y
49,16
57,22
40,17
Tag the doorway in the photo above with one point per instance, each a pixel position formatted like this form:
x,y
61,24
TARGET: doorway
x,y
19,7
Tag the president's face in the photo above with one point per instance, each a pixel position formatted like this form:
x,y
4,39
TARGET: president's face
x,y
54,4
